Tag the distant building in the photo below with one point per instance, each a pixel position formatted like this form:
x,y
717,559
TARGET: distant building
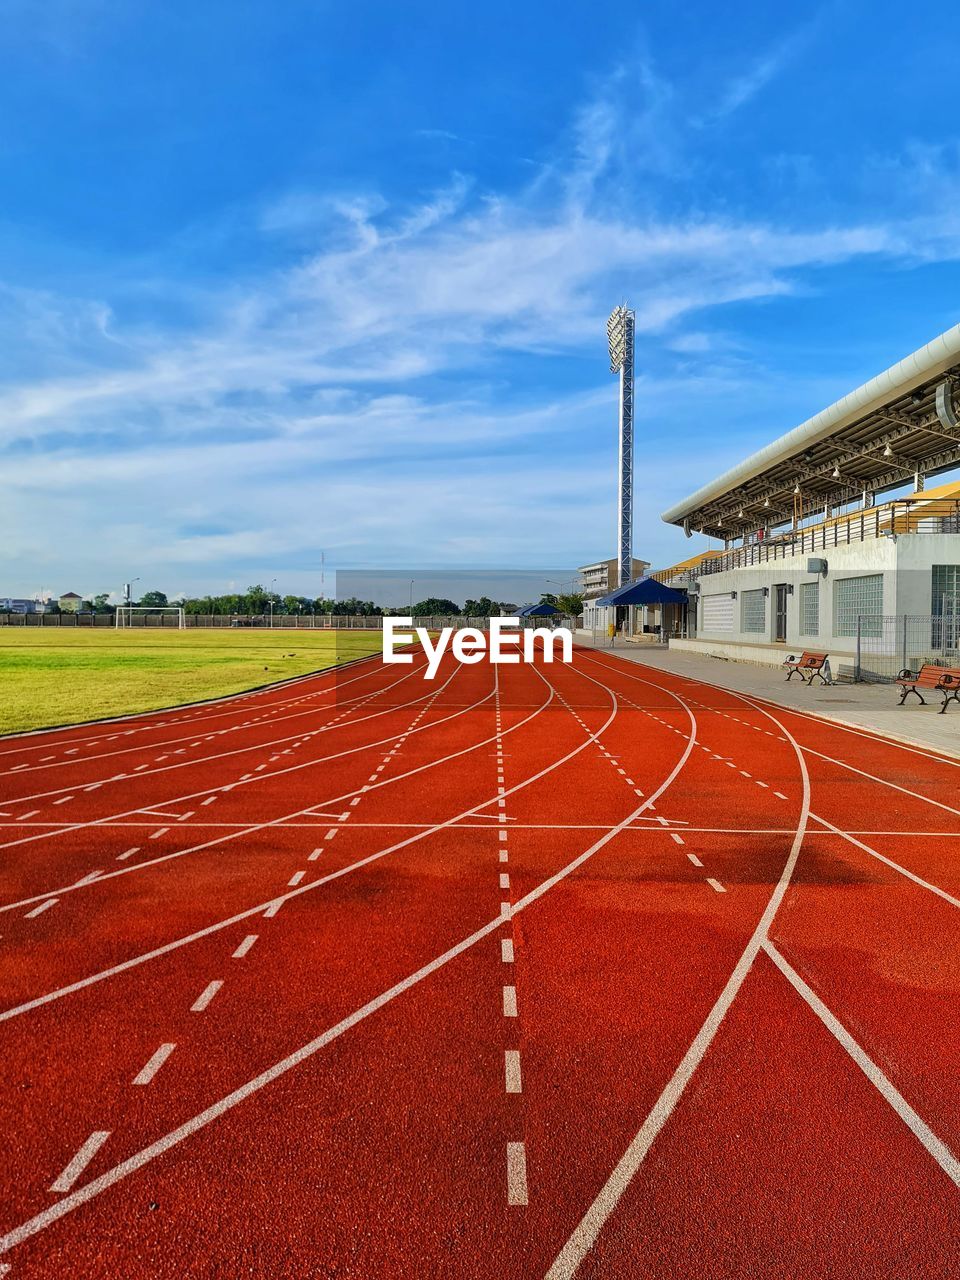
x,y
597,580
9,604
70,602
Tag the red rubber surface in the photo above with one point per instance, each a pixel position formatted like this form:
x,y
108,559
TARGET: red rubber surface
x,y
716,941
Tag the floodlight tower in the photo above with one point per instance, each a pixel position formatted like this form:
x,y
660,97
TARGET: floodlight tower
x,y
620,329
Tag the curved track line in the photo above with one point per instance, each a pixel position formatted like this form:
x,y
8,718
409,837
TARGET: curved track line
x,y
585,1234
174,711
319,805
325,727
135,1162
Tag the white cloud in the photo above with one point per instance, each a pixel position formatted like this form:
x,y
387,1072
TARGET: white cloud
x,y
300,405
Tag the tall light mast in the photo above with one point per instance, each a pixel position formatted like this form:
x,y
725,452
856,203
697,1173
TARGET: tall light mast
x,y
620,329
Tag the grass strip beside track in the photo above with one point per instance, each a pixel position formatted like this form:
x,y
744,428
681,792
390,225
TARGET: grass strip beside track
x,y
58,675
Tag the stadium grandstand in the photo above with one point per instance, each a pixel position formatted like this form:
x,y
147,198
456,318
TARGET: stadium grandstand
x,y
832,530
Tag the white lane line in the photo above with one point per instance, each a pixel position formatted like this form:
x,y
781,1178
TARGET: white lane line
x,y
509,1002
910,875
80,1161
511,1070
150,1069
585,1233
245,946
504,880
206,995
694,859
716,885
780,795
505,910
331,833
504,856
63,800
677,839
506,950
49,902
315,855
272,910
516,1173
160,831
209,800
920,1130
295,878
121,857
89,879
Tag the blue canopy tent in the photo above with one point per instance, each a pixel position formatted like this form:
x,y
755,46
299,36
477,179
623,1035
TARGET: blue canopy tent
x,y
541,610
644,591
669,607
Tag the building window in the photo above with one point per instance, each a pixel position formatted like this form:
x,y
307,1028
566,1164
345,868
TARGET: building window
x,y
810,608
945,590
716,612
858,598
752,611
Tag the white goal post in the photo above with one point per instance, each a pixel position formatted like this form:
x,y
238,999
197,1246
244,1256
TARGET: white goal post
x,y
126,614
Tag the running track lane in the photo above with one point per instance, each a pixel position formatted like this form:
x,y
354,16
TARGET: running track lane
x,y
395,1147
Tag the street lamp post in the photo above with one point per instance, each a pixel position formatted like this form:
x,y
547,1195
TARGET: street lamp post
x,y
272,584
412,580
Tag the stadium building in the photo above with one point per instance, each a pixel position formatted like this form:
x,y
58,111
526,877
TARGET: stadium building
x,y
833,537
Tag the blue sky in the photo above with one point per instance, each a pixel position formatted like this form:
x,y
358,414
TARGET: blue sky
x,y
277,278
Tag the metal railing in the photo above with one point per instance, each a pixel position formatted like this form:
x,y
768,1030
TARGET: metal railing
x,y
907,515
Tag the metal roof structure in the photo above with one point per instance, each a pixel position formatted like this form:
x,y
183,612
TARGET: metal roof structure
x,y
901,425
542,610
644,591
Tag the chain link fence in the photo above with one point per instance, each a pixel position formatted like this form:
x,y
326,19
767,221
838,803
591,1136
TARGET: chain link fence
x,y
886,644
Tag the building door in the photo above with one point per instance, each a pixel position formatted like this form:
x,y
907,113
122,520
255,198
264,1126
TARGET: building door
x,y
780,615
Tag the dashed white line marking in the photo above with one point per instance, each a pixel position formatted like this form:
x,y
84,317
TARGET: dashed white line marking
x,y
206,995
63,800
509,1002
506,950
505,910
150,1069
516,1173
80,1161
504,856
502,835
677,839
245,946
504,880
716,885
49,902
295,879
315,855
161,831
694,859
272,910
780,795
331,833
122,857
511,1069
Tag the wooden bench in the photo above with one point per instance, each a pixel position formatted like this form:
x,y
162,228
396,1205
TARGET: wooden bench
x,y
945,680
808,666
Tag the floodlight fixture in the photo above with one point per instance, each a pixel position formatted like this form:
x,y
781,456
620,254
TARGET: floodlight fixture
x,y
836,473
887,451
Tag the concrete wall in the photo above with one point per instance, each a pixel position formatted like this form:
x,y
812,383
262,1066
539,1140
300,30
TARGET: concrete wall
x,y
904,562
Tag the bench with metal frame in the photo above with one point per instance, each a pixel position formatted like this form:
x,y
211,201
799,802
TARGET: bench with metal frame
x,y
808,666
945,680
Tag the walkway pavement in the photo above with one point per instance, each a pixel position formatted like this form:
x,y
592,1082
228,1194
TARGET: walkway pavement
x,y
866,706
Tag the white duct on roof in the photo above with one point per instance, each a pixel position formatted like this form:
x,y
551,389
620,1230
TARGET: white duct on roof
x,y
936,357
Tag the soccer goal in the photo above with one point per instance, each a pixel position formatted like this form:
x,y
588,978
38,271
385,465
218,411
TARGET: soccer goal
x,y
138,615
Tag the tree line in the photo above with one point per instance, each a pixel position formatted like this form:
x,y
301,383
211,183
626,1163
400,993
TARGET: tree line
x,y
257,601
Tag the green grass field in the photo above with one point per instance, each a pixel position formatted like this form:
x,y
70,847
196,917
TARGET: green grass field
x,y
58,675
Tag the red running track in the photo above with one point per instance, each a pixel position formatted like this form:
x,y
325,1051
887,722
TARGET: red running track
x,y
524,971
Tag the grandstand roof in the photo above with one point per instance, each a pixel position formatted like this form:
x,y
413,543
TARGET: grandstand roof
x,y
905,420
